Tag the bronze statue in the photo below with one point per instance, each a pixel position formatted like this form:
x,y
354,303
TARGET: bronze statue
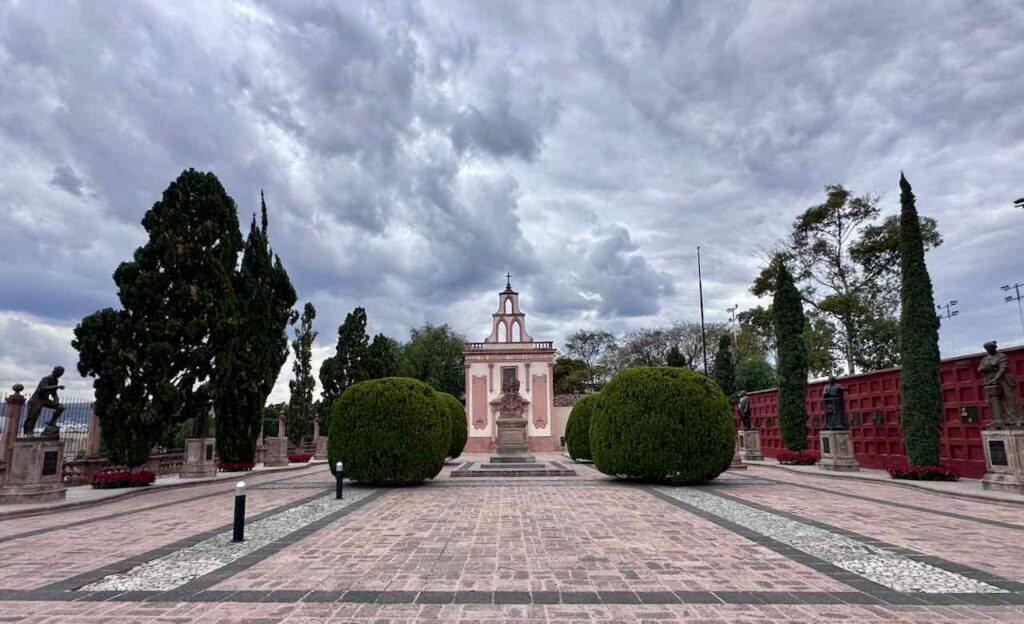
x,y
744,409
1000,389
45,396
834,398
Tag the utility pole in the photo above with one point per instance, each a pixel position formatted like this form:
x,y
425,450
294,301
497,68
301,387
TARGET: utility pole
x,y
703,336
950,313
1020,308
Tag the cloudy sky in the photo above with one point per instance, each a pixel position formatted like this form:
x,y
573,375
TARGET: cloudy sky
x,y
413,152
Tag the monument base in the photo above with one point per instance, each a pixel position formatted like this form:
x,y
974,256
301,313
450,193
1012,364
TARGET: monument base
x,y
737,463
200,459
277,452
1004,459
34,472
749,444
837,452
320,451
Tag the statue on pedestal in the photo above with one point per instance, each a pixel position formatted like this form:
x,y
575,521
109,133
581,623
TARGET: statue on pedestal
x,y
744,409
1000,389
45,395
834,398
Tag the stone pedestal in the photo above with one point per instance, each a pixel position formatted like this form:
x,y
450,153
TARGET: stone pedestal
x,y
1004,459
33,475
512,444
748,443
320,450
837,451
277,452
200,458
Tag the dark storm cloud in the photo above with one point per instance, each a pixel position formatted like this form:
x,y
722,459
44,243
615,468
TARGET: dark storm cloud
x,y
412,153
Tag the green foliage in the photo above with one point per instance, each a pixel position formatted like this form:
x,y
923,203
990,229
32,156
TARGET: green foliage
x,y
662,424
754,373
724,372
675,358
920,393
302,384
590,347
434,355
792,359
382,358
348,364
254,344
153,358
577,429
571,376
460,427
389,431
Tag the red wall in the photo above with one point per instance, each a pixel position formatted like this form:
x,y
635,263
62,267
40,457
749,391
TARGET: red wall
x,y
878,445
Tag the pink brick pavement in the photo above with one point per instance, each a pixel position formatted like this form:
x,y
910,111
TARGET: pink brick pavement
x,y
523,537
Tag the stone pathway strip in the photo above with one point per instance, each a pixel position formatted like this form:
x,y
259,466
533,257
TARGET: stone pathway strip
x,y
188,564
874,563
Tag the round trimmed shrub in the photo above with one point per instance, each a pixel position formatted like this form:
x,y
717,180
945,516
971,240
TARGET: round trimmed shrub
x,y
577,429
457,414
389,431
662,424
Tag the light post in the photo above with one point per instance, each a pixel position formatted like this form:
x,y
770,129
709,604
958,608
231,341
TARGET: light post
x,y
238,528
949,313
337,480
1020,308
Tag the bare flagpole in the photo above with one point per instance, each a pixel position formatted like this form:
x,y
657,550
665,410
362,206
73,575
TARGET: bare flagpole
x,y
703,336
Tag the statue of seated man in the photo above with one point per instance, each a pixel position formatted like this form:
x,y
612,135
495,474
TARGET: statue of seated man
x,y
45,395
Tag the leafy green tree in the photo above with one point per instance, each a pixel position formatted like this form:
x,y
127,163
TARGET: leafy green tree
x,y
675,358
920,393
348,364
434,355
590,346
756,339
848,265
152,359
789,332
302,383
255,344
382,358
724,371
754,373
571,375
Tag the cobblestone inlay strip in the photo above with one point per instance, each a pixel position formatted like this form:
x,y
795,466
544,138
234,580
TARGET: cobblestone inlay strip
x,y
228,485
178,568
869,559
881,501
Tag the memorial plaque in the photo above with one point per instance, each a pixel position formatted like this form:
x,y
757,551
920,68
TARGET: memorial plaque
x,y
743,440
815,420
209,452
854,419
50,463
825,447
997,451
878,417
970,414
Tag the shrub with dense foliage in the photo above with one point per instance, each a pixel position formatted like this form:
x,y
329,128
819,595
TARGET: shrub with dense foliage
x,y
123,479
577,429
239,466
796,458
792,359
389,431
662,424
457,416
299,458
910,472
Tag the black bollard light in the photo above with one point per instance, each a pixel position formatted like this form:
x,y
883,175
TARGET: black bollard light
x,y
238,531
337,480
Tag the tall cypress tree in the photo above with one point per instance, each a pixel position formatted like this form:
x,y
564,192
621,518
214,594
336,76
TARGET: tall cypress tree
x,y
724,372
300,404
255,345
348,364
792,359
920,394
153,358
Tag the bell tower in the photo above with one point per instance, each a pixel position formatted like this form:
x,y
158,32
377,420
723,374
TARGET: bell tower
x,y
508,324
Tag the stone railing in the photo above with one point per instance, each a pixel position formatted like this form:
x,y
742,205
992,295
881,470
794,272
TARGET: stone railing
x,y
543,344
81,471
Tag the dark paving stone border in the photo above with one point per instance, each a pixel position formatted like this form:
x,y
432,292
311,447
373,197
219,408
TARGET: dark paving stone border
x,y
932,560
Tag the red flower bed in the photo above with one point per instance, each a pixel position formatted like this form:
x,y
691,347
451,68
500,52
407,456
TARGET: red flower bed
x,y
235,466
796,458
299,458
123,479
923,473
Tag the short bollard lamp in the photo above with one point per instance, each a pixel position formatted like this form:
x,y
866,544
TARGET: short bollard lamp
x,y
238,530
337,479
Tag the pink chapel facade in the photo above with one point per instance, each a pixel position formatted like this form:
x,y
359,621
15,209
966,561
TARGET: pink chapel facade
x,y
509,352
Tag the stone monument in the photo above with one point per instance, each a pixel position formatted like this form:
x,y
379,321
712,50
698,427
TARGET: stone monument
x,y
320,441
748,440
32,467
1003,439
511,424
836,444
200,451
277,446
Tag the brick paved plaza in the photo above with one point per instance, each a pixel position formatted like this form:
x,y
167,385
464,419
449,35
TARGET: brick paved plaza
x,y
761,545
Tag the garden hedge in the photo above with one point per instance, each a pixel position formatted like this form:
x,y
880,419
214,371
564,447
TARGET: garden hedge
x,y
390,431
577,429
662,424
457,414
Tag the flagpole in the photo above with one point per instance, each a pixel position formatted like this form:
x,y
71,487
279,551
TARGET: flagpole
x,y
703,336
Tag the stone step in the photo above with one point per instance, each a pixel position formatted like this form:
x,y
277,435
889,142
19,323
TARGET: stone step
x,y
536,469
